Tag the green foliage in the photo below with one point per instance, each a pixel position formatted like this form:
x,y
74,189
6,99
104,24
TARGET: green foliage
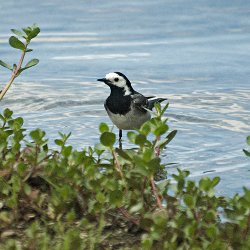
x,y
107,139
27,34
6,65
105,197
30,64
16,43
20,42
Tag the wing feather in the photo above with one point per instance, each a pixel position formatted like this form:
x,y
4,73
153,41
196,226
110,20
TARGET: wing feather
x,y
139,101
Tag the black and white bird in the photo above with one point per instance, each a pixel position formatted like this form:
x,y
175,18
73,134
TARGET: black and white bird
x,y
126,108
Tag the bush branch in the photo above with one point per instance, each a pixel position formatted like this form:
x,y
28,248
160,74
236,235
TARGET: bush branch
x,y
14,74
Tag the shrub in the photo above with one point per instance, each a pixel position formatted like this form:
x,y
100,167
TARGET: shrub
x,y
105,197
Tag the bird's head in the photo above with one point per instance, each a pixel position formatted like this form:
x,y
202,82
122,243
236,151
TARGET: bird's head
x,y
117,80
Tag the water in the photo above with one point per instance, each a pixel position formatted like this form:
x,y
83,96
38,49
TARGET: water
x,y
194,53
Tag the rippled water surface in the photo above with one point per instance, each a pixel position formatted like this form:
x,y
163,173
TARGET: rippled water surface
x,y
195,53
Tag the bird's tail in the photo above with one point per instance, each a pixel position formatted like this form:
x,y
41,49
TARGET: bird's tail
x,y
153,101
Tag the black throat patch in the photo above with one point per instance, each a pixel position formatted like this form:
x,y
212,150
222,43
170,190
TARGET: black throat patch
x,y
117,102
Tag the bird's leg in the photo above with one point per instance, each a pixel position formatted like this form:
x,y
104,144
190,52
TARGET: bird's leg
x,y
120,135
120,138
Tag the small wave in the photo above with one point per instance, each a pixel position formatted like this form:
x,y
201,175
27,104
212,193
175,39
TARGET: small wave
x,y
100,56
193,119
70,103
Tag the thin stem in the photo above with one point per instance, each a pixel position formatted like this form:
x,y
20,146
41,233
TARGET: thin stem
x,y
157,149
128,216
14,74
117,164
153,187
7,86
154,190
246,230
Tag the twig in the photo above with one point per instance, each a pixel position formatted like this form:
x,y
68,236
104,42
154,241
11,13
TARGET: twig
x,y
246,230
157,149
128,216
153,187
154,190
117,164
14,74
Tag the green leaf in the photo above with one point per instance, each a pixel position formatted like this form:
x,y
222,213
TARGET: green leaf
x,y
149,154
140,139
16,43
5,65
212,231
67,151
31,32
123,154
37,135
34,32
247,153
215,181
145,129
2,118
162,143
205,184
164,109
21,167
59,142
189,200
7,113
99,149
171,135
100,197
157,107
18,33
160,130
108,139
116,197
248,140
103,127
64,136
31,63
27,30
16,124
131,136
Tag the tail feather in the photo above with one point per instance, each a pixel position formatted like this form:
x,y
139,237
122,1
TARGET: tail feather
x,y
153,101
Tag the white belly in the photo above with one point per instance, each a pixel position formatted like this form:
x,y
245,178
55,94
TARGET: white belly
x,y
131,120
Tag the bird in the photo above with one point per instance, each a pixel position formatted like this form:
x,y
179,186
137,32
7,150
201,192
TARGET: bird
x,y
127,108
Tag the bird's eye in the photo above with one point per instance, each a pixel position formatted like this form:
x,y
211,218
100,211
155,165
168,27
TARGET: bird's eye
x,y
116,79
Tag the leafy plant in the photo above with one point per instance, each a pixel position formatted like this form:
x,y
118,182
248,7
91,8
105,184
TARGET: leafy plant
x,y
27,34
104,197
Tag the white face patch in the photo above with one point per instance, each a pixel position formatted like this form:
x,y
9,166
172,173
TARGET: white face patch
x,y
118,81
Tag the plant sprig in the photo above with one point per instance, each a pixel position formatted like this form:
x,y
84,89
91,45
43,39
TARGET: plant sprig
x,y
15,42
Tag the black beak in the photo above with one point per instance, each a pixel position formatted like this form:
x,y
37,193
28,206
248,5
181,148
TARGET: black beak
x,y
101,79
104,80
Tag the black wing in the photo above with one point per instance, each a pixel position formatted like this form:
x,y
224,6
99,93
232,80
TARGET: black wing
x,y
153,101
140,101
